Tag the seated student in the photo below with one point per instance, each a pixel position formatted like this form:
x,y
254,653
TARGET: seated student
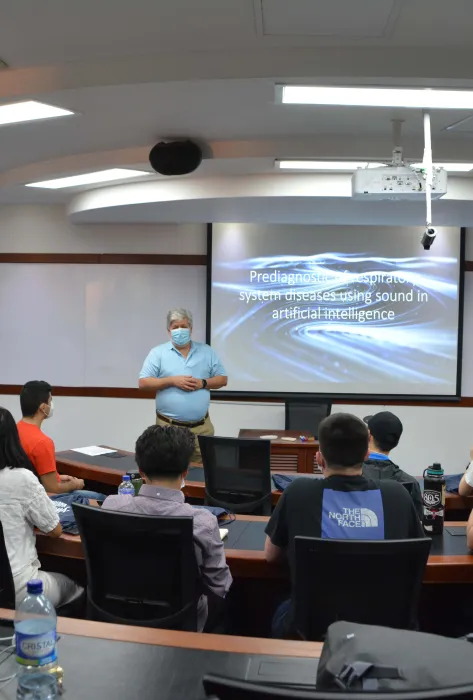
x,y
385,432
25,505
36,406
163,455
343,505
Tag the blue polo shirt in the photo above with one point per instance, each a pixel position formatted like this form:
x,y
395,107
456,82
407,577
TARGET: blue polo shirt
x,y
166,361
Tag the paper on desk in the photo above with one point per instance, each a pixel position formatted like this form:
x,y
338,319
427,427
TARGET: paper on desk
x,y
223,533
289,439
93,451
268,437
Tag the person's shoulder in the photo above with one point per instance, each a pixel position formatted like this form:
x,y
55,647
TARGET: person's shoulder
x,y
159,349
203,518
303,485
117,502
22,478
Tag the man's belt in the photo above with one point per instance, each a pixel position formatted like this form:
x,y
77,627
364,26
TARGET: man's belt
x,y
182,423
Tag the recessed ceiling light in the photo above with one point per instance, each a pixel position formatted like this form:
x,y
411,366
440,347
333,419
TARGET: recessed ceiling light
x,y
418,98
29,111
89,178
347,165
451,167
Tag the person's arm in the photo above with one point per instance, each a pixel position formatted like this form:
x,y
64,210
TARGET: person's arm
x,y
216,576
466,484
44,460
275,546
217,375
151,381
272,553
469,531
52,485
57,532
41,511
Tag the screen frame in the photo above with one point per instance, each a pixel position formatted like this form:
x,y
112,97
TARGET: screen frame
x,y
340,396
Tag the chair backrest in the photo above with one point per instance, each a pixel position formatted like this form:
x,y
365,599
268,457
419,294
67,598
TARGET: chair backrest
x,y
7,587
371,582
234,689
141,569
237,473
306,416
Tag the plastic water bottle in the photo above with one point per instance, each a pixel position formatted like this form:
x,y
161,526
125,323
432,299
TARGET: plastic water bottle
x,y
35,639
126,488
433,498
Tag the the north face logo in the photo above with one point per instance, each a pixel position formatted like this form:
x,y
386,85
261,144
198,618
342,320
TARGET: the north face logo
x,y
355,517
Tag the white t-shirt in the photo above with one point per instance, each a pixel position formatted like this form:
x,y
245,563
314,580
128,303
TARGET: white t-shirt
x,y
24,505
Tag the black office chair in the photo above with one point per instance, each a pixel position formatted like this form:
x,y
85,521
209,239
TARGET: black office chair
x,y
237,474
7,587
141,569
232,689
306,416
370,582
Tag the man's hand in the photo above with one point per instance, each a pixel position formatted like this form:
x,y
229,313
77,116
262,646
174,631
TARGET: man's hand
x,y
197,384
184,383
79,484
65,477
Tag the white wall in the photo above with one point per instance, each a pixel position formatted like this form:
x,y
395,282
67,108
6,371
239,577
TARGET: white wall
x,y
430,434
46,229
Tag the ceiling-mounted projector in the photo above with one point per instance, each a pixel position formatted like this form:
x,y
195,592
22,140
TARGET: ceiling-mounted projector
x,y
396,182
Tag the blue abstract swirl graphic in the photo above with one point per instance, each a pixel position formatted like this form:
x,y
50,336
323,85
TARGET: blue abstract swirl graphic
x,y
338,318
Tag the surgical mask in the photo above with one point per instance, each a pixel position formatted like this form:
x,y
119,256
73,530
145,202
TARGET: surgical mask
x,y
181,336
183,483
51,410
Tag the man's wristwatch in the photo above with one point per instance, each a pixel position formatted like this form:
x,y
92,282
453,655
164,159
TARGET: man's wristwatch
x,y
204,383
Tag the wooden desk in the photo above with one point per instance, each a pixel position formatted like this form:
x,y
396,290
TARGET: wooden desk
x,y
248,563
187,640
295,456
110,470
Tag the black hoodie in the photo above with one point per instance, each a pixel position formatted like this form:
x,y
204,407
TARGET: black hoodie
x,y
378,469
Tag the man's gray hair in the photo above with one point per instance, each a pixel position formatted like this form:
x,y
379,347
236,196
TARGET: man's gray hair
x,y
178,315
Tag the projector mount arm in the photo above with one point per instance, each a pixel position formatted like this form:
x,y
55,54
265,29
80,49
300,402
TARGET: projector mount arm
x,y
429,233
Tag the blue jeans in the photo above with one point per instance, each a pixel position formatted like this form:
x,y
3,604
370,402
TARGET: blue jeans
x,y
279,626
94,495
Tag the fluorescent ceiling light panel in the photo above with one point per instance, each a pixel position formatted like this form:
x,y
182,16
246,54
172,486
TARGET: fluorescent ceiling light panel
x,y
89,178
29,111
450,167
418,98
347,165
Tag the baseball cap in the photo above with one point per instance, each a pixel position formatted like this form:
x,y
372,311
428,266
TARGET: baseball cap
x,y
386,428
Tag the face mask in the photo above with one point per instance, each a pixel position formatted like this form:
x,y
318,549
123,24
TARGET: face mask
x,y
180,336
51,410
183,483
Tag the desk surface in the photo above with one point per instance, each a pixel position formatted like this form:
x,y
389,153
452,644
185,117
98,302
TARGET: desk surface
x,y
258,433
100,659
109,470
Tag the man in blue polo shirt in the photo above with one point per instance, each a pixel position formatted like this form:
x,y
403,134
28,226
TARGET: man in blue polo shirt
x,y
182,372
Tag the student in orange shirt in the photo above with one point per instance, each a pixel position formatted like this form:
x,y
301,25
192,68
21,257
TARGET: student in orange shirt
x,y
36,406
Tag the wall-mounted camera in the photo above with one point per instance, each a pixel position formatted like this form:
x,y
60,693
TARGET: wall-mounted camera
x,y
428,238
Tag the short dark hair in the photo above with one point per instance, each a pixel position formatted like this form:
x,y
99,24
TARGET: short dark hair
x,y
12,453
343,440
33,395
164,450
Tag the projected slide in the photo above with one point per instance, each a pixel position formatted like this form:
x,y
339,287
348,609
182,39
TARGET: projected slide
x,y
357,310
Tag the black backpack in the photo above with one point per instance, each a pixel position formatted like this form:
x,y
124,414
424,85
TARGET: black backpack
x,y
364,657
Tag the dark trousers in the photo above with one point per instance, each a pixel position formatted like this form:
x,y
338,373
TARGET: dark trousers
x,y
280,623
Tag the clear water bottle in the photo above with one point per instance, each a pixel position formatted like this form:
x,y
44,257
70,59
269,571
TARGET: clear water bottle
x,y
126,488
35,639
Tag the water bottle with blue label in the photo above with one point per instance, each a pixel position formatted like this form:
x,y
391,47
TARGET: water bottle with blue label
x,y
35,638
126,488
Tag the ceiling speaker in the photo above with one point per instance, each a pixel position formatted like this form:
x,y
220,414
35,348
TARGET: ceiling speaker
x,y
175,157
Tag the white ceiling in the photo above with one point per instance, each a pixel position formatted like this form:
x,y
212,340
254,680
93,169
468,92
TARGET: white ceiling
x,y
138,72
